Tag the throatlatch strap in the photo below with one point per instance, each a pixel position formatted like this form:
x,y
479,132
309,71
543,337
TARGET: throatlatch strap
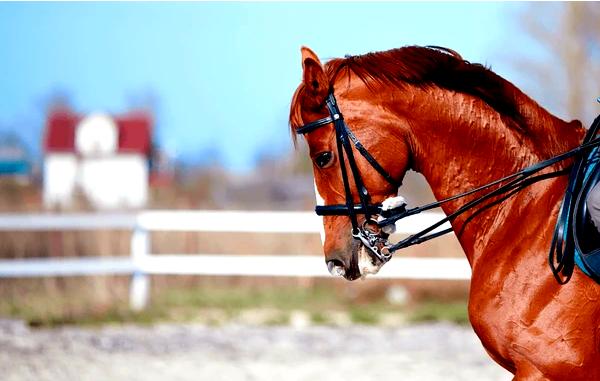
x,y
363,151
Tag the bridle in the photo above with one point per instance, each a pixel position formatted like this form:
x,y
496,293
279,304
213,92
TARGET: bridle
x,y
376,241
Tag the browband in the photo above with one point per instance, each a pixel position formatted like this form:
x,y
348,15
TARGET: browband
x,y
309,127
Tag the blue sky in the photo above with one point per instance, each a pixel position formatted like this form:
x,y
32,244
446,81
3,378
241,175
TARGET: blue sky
x,y
222,74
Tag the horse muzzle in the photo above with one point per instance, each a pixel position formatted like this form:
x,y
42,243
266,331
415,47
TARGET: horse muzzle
x,y
367,257
345,263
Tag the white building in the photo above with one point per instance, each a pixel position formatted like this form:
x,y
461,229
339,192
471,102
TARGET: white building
x,y
105,158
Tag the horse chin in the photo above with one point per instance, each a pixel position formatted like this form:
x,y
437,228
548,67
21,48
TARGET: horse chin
x,y
366,263
353,272
361,263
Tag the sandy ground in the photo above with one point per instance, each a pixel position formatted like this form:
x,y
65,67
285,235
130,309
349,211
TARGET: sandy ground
x,y
438,351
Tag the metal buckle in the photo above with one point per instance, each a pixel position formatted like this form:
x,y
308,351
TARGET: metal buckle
x,y
370,240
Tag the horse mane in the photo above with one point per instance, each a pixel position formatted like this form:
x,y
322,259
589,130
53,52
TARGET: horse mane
x,y
425,67
431,66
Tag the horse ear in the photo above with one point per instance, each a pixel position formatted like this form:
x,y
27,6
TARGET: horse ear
x,y
313,74
308,53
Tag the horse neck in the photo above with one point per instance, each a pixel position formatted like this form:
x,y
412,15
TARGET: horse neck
x,y
458,143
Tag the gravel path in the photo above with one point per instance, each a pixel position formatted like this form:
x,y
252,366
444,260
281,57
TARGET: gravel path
x,y
235,352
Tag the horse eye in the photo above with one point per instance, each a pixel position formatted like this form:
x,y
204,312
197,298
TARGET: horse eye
x,y
323,159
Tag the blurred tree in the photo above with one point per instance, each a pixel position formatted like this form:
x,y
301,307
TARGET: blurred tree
x,y
55,98
147,102
562,68
144,100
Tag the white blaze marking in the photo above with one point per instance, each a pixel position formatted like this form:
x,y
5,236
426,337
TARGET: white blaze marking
x,y
320,201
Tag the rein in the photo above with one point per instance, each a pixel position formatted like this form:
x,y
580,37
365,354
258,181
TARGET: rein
x,y
376,242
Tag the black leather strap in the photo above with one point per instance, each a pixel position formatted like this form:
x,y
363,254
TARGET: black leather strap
x,y
342,209
334,115
309,127
349,199
504,191
363,151
363,193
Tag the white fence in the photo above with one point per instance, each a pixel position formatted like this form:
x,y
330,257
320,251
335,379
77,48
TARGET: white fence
x,y
141,263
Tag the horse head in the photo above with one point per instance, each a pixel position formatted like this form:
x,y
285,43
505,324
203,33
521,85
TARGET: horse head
x,y
369,122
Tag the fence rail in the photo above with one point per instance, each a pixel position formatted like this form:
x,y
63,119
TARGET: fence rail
x,y
141,263
200,220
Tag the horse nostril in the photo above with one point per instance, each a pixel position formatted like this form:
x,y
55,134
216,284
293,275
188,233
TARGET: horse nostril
x,y
336,267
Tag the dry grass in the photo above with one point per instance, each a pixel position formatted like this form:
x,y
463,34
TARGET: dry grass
x,y
218,300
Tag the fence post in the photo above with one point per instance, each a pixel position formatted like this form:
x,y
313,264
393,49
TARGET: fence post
x,y
140,282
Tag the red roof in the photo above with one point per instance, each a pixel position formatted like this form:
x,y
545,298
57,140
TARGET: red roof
x,y
60,131
134,132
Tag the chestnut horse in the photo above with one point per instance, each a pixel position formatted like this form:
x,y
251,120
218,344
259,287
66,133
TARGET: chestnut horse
x,y
461,125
